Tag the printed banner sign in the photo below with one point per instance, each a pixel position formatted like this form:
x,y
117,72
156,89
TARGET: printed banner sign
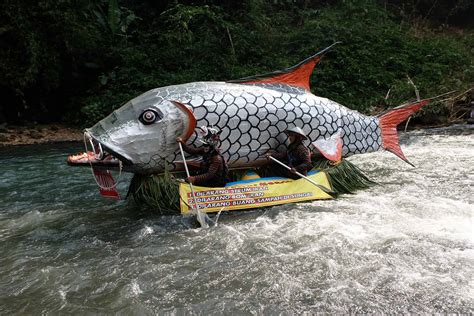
x,y
253,193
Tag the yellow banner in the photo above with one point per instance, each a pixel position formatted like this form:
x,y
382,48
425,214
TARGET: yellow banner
x,y
253,193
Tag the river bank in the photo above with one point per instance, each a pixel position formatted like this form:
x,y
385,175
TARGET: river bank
x,y
38,134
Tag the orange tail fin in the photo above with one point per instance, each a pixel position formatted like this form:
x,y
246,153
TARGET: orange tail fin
x,y
388,124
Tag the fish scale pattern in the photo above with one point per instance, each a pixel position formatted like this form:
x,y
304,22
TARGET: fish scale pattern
x,y
253,117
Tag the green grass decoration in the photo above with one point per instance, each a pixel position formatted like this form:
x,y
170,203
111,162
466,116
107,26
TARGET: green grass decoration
x,y
161,192
345,177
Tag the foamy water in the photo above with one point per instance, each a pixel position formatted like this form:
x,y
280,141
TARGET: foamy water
x,y
406,245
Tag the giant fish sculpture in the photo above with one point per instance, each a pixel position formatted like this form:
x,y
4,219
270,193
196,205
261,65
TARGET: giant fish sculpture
x,y
252,114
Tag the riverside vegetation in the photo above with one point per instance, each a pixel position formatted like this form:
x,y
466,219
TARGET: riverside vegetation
x,y
74,61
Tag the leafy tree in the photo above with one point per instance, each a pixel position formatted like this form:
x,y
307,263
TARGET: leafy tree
x,y
76,60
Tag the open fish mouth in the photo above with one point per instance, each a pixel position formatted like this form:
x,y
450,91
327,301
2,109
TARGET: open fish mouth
x,y
98,155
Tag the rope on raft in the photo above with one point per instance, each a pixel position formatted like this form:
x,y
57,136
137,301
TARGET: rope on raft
x,y
161,192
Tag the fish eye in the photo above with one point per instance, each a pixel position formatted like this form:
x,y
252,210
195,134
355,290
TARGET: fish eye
x,y
150,116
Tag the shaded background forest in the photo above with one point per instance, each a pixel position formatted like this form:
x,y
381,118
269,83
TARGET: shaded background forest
x,y
74,61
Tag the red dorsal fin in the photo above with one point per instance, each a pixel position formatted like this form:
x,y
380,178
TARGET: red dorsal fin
x,y
297,76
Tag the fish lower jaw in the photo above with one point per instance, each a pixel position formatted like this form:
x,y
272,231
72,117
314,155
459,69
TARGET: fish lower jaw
x,y
100,155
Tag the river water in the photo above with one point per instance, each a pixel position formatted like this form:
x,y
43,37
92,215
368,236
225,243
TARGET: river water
x,y
406,245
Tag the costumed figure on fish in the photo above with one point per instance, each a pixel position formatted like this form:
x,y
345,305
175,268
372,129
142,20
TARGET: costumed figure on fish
x,y
297,156
213,170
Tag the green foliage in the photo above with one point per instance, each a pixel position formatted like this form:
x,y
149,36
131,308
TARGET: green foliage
x,y
160,192
78,60
344,177
93,112
113,19
377,55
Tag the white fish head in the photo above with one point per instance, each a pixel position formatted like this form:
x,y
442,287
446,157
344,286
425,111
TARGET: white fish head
x,y
142,133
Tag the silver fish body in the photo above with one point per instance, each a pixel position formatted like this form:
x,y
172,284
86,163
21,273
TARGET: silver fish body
x,y
252,114
252,118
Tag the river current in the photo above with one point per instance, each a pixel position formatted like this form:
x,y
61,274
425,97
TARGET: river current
x,y
405,245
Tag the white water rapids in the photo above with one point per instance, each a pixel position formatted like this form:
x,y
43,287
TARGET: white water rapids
x,y
406,245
